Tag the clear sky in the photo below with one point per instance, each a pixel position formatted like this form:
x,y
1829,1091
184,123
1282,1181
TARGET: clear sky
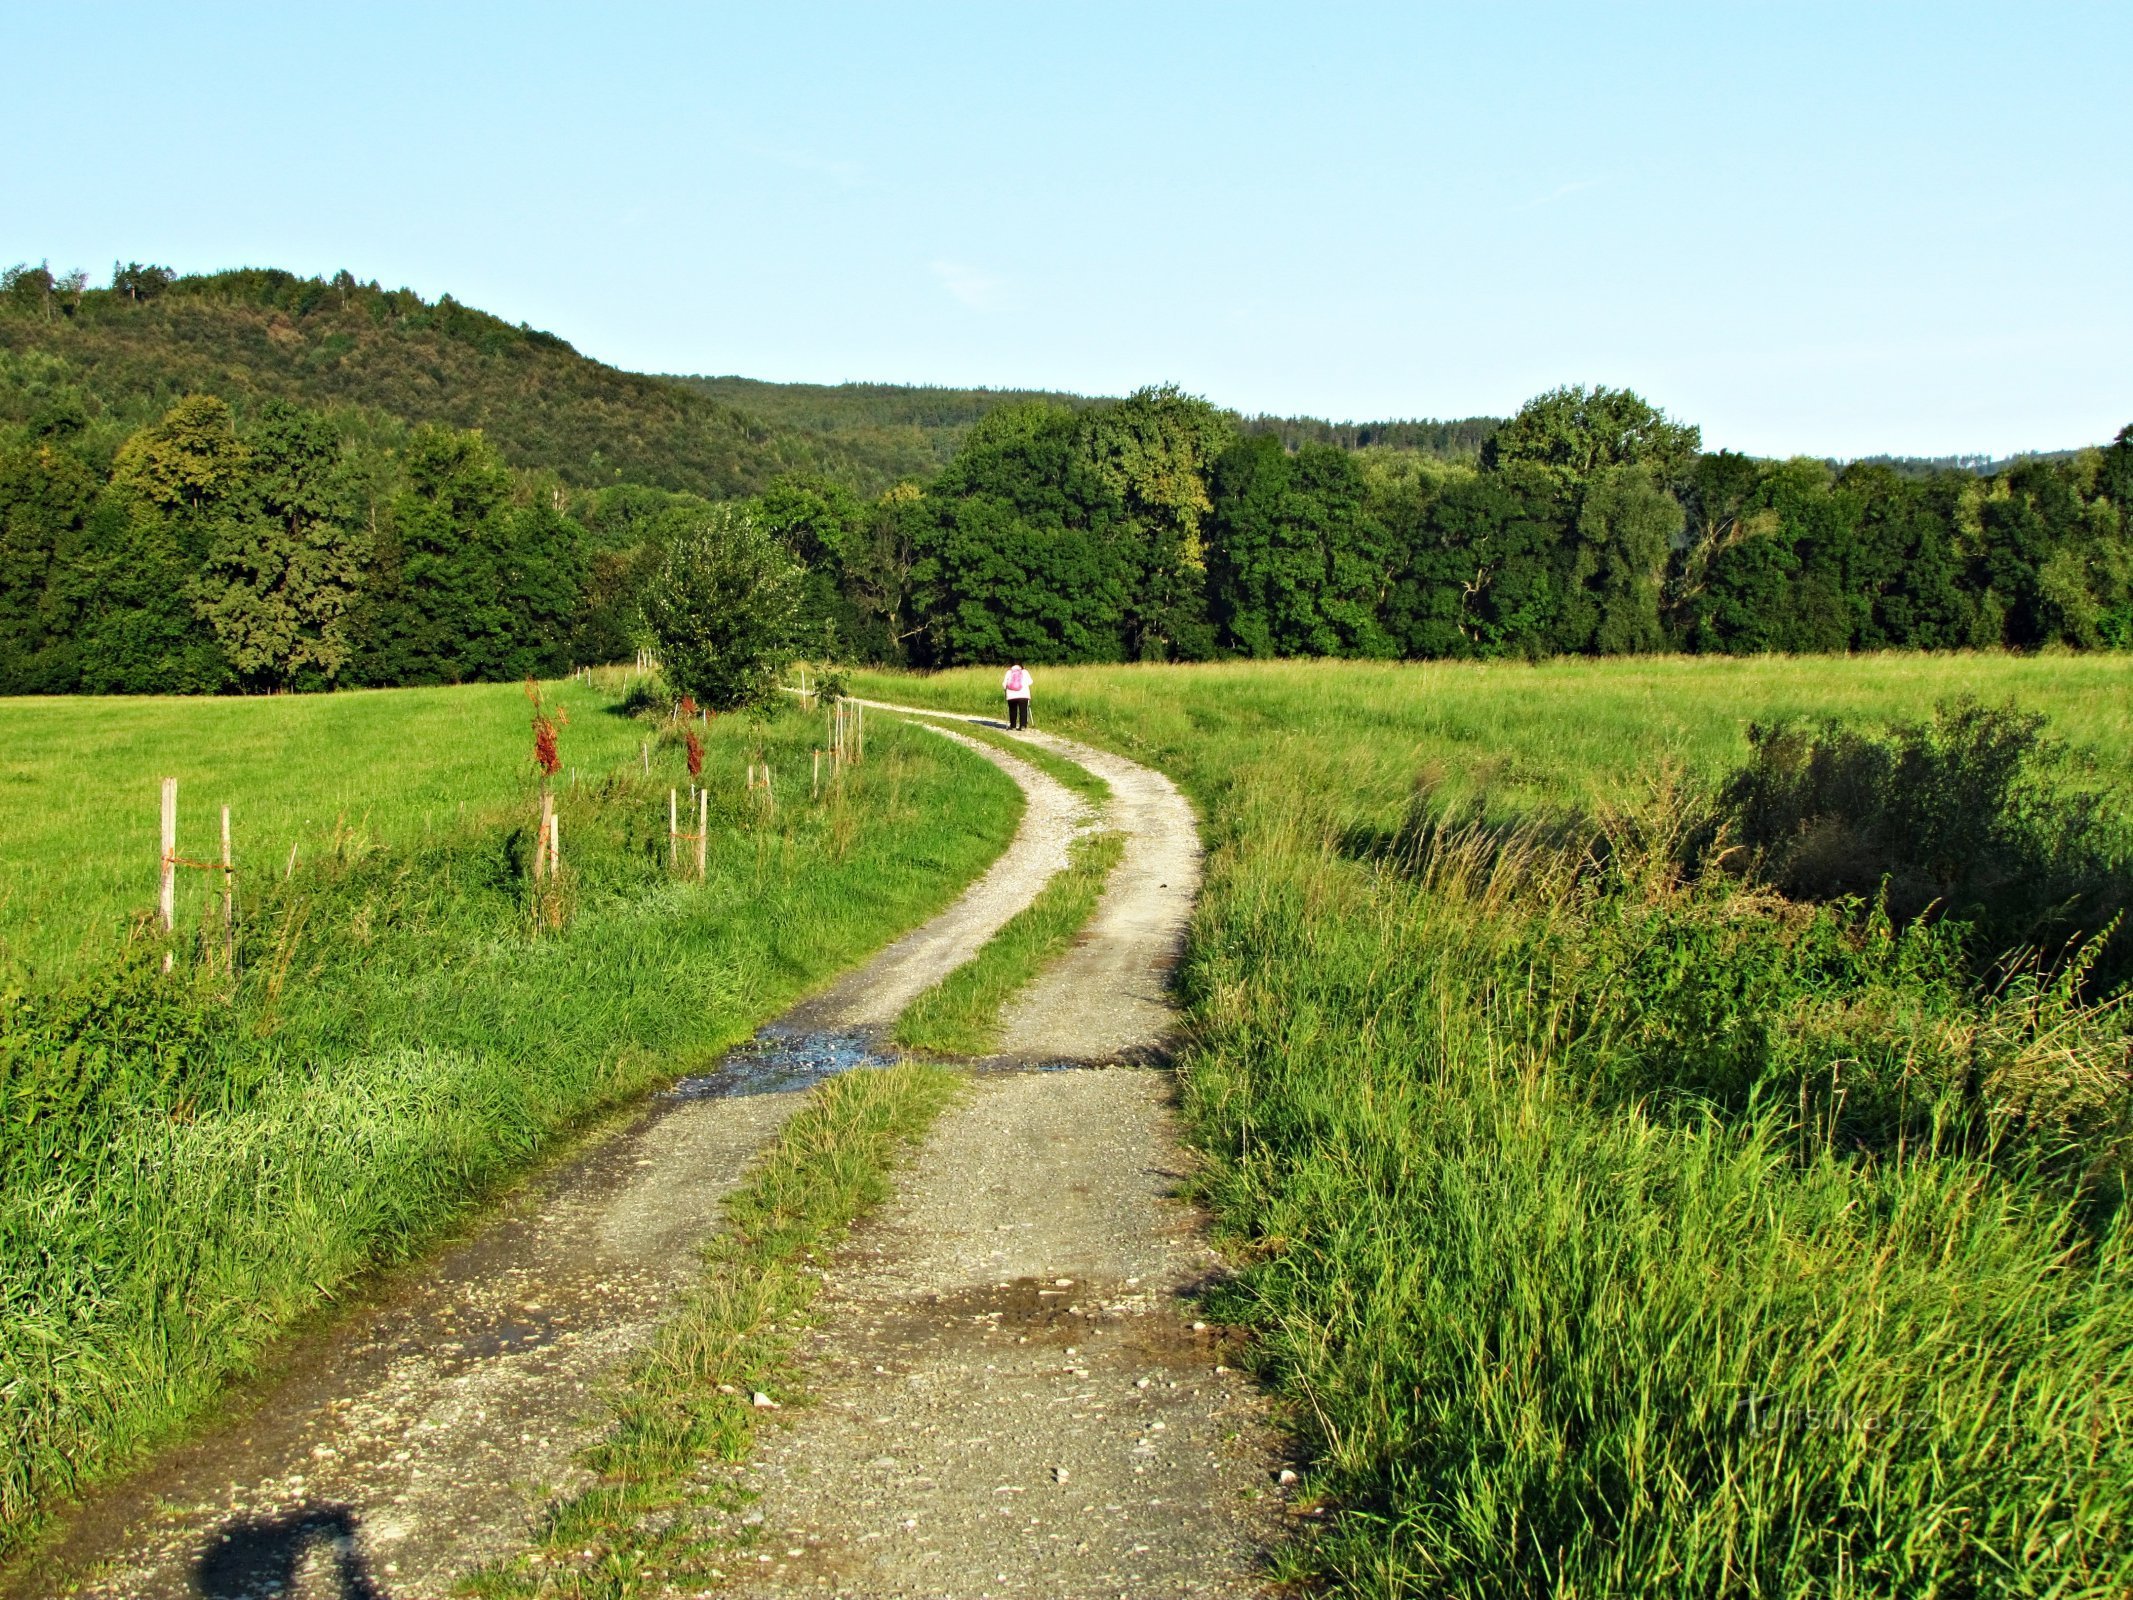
x,y
1834,229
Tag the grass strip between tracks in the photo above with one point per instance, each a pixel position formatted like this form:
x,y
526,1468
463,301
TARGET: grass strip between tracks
x,y
690,1396
960,1015
1075,776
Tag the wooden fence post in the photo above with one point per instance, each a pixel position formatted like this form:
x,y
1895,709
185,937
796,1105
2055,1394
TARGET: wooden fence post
x,y
229,898
703,832
167,894
673,813
167,890
555,844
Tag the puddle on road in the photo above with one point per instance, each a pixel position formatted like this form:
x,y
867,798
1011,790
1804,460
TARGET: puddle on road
x,y
778,1062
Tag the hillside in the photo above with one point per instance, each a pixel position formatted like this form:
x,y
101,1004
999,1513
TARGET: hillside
x,y
912,430
887,431
252,335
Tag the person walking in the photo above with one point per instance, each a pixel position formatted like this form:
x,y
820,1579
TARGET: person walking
x,y
1017,683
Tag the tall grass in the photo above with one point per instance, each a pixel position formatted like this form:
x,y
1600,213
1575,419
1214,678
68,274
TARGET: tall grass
x,y
188,1164
1611,1227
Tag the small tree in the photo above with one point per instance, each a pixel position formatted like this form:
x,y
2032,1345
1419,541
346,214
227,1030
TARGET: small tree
x,y
721,611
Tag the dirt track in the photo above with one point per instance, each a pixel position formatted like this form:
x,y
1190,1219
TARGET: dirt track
x,y
404,1445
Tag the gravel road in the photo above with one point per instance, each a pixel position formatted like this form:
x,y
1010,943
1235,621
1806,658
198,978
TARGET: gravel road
x,y
1011,1395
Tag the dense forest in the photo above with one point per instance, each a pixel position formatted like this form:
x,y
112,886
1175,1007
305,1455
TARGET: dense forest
x,y
253,482
887,432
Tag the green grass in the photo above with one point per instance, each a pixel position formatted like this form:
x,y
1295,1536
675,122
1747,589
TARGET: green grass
x,y
690,1396
960,1015
189,1165
1608,1229
1540,733
80,785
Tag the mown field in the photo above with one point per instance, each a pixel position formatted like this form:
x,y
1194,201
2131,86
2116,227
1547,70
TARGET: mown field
x,y
189,1164
1609,1221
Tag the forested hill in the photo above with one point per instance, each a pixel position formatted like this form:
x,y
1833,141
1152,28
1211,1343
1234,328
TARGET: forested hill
x,y
123,355
911,431
887,432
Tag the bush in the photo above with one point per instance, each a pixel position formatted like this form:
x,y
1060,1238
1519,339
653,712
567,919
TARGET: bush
x,y
721,609
1976,816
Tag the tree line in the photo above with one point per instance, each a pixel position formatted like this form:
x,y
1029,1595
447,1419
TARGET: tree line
x,y
284,551
273,546
1155,529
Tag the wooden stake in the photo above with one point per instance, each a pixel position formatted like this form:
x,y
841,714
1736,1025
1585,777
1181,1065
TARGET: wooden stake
x,y
673,848
814,784
229,897
703,832
644,749
167,897
555,844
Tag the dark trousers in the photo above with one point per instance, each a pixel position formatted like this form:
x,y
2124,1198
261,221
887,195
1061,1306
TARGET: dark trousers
x,y
1018,713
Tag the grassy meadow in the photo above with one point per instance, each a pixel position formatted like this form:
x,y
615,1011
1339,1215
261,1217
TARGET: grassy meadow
x,y
80,783
1608,1222
189,1164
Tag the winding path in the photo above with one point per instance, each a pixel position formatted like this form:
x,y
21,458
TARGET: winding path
x,y
1012,1401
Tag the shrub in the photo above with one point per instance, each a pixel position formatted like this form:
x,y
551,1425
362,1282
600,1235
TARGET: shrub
x,y
721,609
1975,816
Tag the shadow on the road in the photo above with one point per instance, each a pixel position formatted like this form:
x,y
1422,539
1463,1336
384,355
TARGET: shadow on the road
x,y
254,1557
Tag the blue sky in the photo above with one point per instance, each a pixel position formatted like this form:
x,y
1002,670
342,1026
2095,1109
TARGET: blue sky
x,y
1826,229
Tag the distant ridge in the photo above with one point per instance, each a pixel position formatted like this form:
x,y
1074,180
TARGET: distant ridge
x,y
336,344
891,431
123,354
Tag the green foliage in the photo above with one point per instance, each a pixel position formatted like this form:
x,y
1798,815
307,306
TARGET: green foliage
x,y
1060,535
1299,563
373,356
1577,432
721,611
1973,816
877,434
1460,441
1002,524
468,585
283,571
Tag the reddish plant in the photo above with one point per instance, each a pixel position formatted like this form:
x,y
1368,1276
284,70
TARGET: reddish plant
x,y
696,755
687,708
544,752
